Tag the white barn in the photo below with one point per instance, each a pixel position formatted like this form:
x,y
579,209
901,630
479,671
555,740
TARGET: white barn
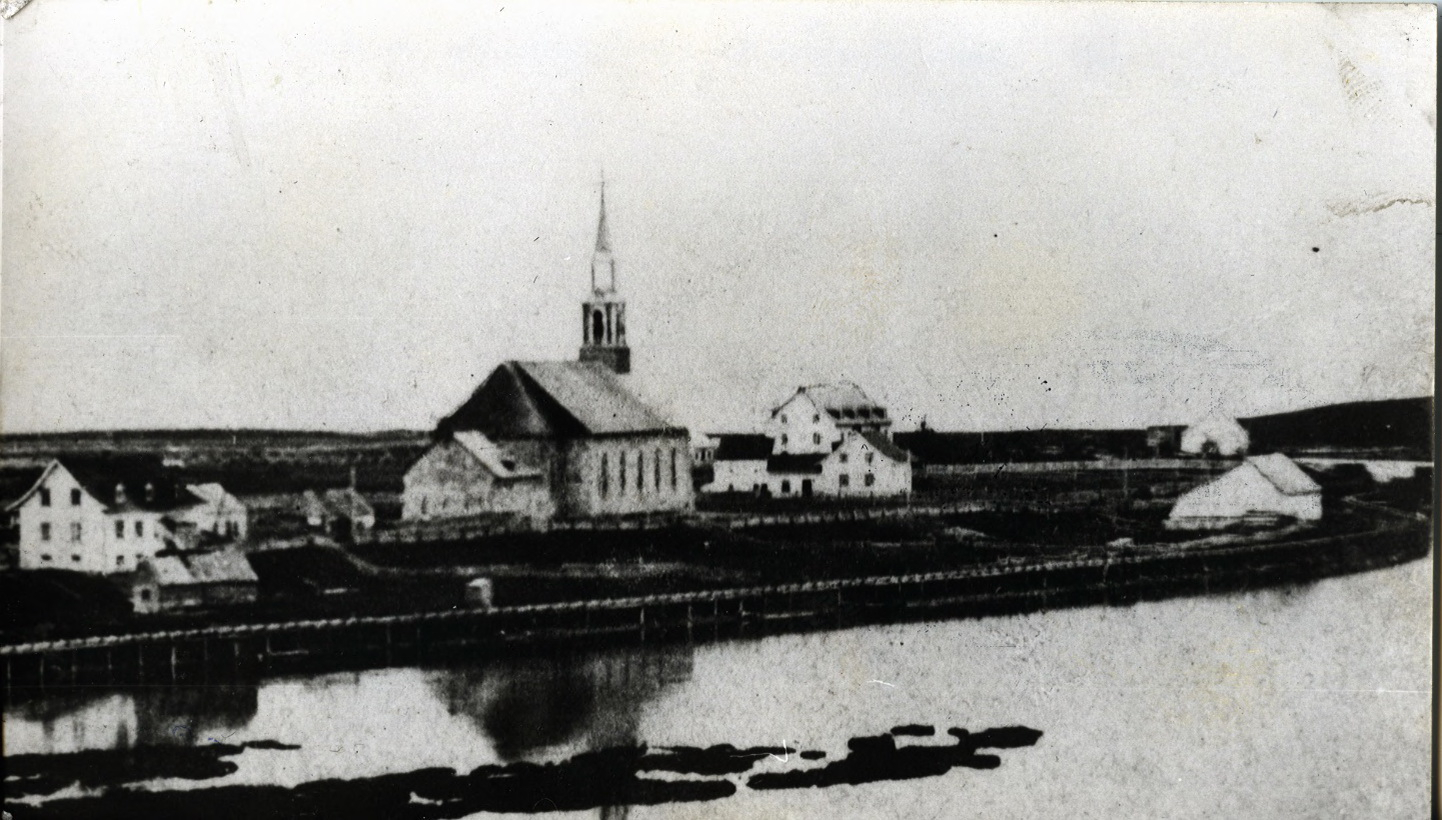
x,y
1270,485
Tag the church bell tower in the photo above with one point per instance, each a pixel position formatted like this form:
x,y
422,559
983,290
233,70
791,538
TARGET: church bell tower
x,y
603,315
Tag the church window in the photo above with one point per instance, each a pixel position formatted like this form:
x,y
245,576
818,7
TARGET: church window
x,y
598,327
640,472
621,480
656,462
673,469
605,475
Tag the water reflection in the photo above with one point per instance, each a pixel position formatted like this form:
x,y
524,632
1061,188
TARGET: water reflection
x,y
596,699
71,719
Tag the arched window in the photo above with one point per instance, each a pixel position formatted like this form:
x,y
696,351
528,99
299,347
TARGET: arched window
x,y
605,475
656,461
640,472
621,479
598,327
673,469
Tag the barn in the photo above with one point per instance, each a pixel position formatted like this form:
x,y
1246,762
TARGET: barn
x,y
1263,487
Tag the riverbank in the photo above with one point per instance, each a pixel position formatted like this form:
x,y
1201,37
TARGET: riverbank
x,y
1115,578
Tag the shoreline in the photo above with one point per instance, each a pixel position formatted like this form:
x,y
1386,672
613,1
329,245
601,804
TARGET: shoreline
x,y
245,651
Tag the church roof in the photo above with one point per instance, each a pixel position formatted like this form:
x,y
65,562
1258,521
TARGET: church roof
x,y
554,400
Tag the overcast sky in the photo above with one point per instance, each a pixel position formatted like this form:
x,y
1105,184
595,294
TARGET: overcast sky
x,y
990,215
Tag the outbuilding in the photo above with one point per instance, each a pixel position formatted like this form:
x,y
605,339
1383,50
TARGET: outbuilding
x,y
1263,487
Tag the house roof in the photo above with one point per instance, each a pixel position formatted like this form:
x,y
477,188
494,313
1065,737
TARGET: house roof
x,y
220,566
349,503
553,400
742,447
886,447
1284,474
121,483
491,456
799,463
843,401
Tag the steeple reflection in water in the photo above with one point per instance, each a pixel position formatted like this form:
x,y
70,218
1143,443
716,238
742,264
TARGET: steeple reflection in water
x,y
591,700
62,720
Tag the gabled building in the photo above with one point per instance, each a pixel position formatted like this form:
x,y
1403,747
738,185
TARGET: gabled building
x,y
1263,487
187,580
567,439
826,440
815,417
339,512
219,513
98,515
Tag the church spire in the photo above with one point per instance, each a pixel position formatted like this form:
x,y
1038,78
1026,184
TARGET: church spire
x,y
603,316
603,267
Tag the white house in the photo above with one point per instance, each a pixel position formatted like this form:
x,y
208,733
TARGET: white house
x,y
219,513
1270,485
861,465
99,517
1217,434
739,465
814,418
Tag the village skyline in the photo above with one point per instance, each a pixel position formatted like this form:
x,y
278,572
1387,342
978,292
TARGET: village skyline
x,y
1039,224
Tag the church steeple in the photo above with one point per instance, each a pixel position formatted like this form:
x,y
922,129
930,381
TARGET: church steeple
x,y
603,316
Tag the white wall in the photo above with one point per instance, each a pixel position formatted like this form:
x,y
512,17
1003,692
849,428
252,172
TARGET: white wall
x,y
799,426
1241,491
98,549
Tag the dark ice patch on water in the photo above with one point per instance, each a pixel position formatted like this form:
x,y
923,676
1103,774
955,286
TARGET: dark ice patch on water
x,y
597,779
876,758
40,774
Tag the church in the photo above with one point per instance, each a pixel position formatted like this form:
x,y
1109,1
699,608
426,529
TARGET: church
x,y
558,439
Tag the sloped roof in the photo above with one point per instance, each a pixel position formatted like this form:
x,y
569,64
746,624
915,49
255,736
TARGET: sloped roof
x,y
221,566
742,447
886,446
349,503
801,463
553,400
491,456
840,400
170,571
144,482
1284,474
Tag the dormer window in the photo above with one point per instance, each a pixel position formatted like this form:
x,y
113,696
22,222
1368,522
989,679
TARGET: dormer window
x,y
149,492
119,493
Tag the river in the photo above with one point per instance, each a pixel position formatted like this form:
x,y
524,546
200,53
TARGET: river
x,y
1304,702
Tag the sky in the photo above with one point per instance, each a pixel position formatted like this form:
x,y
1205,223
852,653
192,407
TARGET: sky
x,y
989,215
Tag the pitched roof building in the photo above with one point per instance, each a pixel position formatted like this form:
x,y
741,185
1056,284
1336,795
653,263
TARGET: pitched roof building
x,y
1263,486
558,438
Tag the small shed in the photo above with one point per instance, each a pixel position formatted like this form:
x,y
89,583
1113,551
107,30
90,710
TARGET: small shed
x,y
165,583
1263,487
